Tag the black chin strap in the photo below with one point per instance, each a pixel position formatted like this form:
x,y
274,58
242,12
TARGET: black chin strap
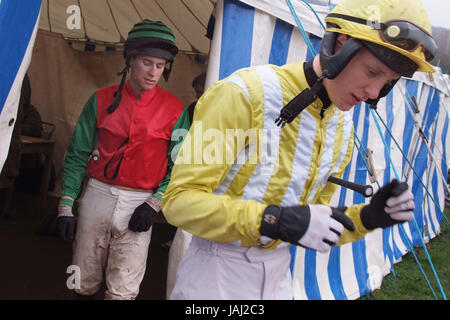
x,y
167,70
298,104
305,98
118,93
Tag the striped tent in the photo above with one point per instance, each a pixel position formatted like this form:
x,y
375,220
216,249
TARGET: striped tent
x,y
17,33
413,121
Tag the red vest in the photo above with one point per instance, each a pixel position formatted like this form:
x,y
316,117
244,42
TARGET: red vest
x,y
147,125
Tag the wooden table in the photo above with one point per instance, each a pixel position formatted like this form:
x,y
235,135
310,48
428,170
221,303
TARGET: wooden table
x,y
32,145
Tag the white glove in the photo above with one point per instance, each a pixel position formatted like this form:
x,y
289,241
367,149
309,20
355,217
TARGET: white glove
x,y
323,230
315,226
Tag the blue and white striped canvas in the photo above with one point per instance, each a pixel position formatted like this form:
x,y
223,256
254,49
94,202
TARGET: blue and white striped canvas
x,y
246,36
18,25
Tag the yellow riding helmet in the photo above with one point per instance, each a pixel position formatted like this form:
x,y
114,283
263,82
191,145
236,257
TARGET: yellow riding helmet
x,y
400,25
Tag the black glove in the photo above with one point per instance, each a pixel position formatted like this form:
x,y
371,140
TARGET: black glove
x,y
142,219
374,214
316,227
65,227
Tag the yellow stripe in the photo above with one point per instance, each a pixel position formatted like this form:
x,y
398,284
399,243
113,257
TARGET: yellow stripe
x,y
254,89
337,147
291,87
315,163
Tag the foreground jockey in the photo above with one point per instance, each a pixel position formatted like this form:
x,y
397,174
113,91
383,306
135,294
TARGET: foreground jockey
x,y
265,185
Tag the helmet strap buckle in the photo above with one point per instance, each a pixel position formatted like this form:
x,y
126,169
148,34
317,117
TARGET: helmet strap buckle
x,y
299,103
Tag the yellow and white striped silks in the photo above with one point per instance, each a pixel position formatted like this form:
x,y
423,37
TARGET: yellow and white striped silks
x,y
235,161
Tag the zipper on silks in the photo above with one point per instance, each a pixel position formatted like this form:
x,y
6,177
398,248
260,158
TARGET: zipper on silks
x,y
322,111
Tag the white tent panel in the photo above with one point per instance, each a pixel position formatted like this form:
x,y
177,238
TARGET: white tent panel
x,y
128,16
151,10
201,9
100,25
280,10
108,21
176,9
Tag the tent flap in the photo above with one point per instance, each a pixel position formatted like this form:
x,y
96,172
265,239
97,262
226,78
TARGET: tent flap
x,y
18,29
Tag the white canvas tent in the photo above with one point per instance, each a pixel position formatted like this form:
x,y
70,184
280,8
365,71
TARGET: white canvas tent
x,y
247,32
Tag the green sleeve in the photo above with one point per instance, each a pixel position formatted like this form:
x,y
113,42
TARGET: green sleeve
x,y
79,151
179,131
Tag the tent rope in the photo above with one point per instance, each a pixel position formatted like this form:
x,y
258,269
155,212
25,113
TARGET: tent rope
x,y
412,167
407,98
416,226
300,27
315,13
362,153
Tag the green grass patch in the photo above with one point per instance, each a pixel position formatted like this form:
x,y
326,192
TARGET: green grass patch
x,y
410,284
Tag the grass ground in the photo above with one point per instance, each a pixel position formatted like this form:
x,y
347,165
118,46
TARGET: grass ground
x,y
410,284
